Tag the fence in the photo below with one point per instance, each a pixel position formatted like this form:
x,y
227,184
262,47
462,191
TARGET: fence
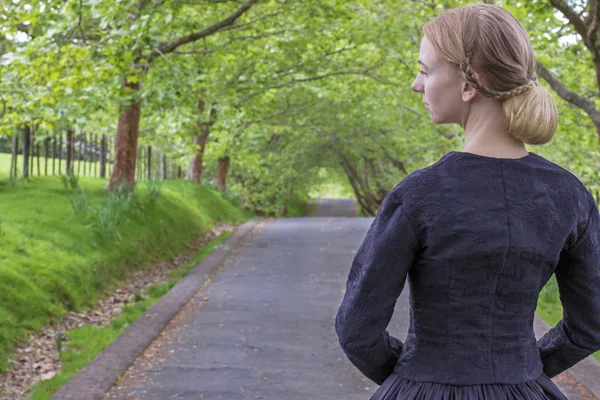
x,y
87,154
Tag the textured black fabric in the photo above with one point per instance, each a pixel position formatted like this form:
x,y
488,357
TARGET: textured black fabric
x,y
396,388
478,238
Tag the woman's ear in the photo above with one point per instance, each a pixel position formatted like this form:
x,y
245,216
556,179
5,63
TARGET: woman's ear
x,y
468,92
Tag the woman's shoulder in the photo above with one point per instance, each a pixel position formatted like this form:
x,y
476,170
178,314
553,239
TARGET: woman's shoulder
x,y
557,176
421,179
456,168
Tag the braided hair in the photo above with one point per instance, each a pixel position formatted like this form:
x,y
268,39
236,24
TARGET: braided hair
x,y
473,79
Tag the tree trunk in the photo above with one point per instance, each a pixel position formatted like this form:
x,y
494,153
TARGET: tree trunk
x,y
164,167
103,156
284,207
15,157
26,150
123,172
222,172
369,199
195,171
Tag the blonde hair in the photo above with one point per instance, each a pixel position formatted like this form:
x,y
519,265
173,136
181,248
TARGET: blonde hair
x,y
495,56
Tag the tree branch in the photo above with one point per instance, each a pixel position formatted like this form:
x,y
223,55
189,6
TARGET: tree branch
x,y
592,9
580,27
568,94
293,81
168,47
80,14
252,21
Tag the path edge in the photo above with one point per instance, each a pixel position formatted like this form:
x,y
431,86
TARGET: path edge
x,y
587,371
94,380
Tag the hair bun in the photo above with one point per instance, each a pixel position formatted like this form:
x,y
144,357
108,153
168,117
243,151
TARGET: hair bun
x,y
532,116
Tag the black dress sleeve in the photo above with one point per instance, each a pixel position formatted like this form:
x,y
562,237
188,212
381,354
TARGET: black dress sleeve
x,y
375,281
577,335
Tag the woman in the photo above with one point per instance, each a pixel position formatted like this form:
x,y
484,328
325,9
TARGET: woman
x,y
478,234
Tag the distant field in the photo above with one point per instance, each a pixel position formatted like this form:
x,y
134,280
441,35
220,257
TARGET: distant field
x,y
5,165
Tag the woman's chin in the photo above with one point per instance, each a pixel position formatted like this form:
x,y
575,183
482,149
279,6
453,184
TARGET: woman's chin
x,y
436,118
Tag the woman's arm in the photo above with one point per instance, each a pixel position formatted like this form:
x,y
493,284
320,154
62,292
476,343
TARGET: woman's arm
x,y
375,281
577,335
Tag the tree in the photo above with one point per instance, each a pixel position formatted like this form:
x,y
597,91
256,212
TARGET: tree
x,y
585,22
123,173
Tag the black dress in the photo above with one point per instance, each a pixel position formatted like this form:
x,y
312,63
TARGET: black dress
x,y
478,238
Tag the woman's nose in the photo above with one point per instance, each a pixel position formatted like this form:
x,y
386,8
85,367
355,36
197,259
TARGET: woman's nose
x,y
417,86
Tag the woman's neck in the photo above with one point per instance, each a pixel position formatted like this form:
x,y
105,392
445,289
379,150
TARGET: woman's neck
x,y
486,133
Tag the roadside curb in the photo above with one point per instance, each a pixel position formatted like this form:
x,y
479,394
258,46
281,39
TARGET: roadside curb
x,y
587,371
97,378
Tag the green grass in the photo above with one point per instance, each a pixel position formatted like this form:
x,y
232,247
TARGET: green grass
x,y
52,259
84,344
549,307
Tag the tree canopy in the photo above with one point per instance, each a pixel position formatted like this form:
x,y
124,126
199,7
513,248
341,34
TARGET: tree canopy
x,y
290,87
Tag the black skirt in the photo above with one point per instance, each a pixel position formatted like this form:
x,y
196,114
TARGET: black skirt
x,y
398,388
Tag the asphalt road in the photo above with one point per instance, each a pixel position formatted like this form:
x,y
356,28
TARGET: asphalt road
x,y
335,208
263,325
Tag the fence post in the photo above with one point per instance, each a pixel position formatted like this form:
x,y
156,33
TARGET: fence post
x,y
46,155
139,163
69,150
60,152
31,150
37,150
26,149
53,156
149,165
80,155
15,156
102,156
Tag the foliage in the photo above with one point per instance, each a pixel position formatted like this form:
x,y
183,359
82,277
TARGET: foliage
x,y
298,86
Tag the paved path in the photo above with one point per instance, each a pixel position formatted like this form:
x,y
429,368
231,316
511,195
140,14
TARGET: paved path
x,y
335,208
263,326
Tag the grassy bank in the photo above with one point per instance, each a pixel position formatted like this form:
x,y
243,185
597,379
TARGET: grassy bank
x,y
54,259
